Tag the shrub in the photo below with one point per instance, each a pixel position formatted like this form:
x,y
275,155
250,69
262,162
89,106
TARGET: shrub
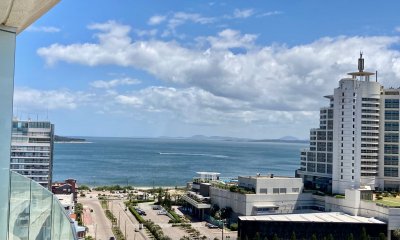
x,y
234,227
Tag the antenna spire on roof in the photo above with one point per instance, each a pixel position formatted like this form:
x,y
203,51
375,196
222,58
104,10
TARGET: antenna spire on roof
x,y
361,62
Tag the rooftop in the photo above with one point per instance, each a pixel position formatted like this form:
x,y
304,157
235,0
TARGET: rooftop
x,y
336,217
271,176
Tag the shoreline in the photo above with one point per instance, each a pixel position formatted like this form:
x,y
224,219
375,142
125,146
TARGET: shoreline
x,y
64,142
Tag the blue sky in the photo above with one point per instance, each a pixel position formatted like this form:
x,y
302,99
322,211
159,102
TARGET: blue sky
x,y
254,69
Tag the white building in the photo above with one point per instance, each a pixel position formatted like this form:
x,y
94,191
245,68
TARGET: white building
x,y
357,143
261,195
32,150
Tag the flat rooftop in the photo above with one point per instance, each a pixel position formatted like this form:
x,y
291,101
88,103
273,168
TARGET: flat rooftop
x,y
267,177
336,217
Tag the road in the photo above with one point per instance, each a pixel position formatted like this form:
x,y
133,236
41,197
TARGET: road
x,y
98,224
127,221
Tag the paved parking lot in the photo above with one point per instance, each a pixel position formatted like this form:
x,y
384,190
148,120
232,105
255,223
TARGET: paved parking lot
x,y
162,221
178,232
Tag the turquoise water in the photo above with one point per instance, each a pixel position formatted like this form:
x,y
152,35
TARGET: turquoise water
x,y
169,162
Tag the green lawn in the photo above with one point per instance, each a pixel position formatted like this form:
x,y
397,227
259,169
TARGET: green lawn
x,y
389,201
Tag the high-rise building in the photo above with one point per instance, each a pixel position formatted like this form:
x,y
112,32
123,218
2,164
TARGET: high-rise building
x,y
357,142
32,150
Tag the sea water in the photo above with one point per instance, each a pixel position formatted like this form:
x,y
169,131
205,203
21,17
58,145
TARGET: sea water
x,y
169,162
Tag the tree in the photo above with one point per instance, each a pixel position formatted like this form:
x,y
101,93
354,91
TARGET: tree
x,y
314,237
159,195
396,234
330,237
293,237
350,237
382,236
364,235
275,237
257,237
226,212
167,201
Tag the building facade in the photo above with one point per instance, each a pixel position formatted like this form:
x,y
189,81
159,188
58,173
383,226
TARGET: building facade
x,y
357,143
32,150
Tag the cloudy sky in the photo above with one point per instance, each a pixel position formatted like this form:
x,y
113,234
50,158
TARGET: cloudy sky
x,y
147,68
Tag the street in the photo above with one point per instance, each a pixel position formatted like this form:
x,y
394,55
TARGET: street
x,y
98,224
126,221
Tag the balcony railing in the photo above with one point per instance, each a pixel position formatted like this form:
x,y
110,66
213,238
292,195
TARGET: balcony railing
x,y
35,213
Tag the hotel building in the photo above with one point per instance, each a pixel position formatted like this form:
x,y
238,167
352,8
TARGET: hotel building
x,y
32,150
357,142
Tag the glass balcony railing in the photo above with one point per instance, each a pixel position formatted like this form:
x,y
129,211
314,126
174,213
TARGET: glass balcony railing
x,y
35,213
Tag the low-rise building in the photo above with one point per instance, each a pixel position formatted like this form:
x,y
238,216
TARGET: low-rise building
x,y
68,187
260,195
304,226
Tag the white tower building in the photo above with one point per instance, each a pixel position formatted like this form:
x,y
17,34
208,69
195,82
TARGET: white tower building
x,y
32,150
358,139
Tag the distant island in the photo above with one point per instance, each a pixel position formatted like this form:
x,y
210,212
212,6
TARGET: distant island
x,y
61,139
285,139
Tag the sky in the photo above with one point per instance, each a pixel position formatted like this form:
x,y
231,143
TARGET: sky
x,y
147,68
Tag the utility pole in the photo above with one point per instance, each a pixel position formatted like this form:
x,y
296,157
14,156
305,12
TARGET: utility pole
x,y
222,229
95,231
126,236
119,219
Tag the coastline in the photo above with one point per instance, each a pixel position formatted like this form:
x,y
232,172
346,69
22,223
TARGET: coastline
x,y
64,142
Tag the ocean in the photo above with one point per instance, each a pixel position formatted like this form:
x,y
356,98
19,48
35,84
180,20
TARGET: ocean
x,y
148,162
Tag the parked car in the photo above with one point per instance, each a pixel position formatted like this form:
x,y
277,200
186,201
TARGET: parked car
x,y
156,207
162,212
209,225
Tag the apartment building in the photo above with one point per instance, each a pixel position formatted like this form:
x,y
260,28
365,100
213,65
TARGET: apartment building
x,y
357,142
32,150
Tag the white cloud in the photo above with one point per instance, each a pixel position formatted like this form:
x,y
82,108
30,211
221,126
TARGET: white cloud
x,y
156,19
271,13
114,83
180,18
197,106
264,78
243,13
34,99
145,33
46,29
229,38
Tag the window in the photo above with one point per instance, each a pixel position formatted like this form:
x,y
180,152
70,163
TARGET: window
x,y
321,168
392,126
275,191
392,137
328,168
391,172
310,167
264,190
295,190
391,160
391,103
391,149
282,190
391,115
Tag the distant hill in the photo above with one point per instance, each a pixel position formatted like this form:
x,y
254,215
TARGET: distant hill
x,y
287,139
67,139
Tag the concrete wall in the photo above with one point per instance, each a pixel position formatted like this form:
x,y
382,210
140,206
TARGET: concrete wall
x,y
266,185
244,204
